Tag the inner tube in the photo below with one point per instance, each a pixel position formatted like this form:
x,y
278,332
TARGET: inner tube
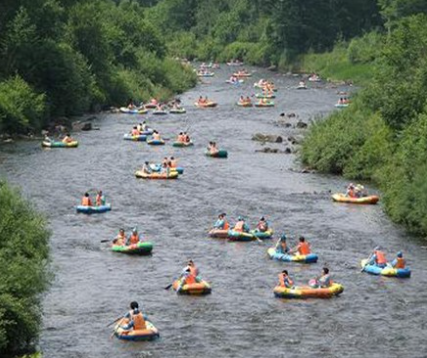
x,y
308,292
73,144
141,248
160,112
341,105
239,81
93,209
182,144
261,104
244,104
238,63
240,236
199,288
302,87
133,111
304,259
218,233
142,175
148,334
151,105
266,96
342,198
177,111
156,142
209,104
262,234
219,154
386,271
137,138
208,74
242,74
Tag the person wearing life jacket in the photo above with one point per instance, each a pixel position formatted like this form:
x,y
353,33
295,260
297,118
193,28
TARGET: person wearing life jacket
x,y
134,237
222,223
173,163
241,225
135,318
303,247
285,280
281,245
156,135
399,262
120,239
378,258
86,200
262,225
99,199
67,139
135,131
351,193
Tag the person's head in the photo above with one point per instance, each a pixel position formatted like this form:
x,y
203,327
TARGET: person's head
x,y
86,195
221,216
285,272
172,158
283,237
134,230
399,254
377,248
68,134
180,133
325,270
147,163
185,133
143,122
99,192
240,218
165,158
190,263
122,231
262,218
301,239
134,305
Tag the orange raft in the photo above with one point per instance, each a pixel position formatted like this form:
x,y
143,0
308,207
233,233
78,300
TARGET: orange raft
x,y
199,288
218,233
208,104
163,176
342,198
308,292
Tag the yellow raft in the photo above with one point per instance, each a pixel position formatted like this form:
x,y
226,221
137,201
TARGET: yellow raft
x,y
172,175
342,198
308,292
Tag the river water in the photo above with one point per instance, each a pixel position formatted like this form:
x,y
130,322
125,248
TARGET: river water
x,y
375,316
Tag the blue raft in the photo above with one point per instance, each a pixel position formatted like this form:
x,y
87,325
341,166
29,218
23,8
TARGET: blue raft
x,y
385,271
93,209
305,259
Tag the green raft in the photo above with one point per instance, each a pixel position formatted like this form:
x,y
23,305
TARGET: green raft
x,y
141,248
182,144
219,154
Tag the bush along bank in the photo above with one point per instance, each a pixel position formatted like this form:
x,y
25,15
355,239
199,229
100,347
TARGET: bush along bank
x,y
24,275
382,136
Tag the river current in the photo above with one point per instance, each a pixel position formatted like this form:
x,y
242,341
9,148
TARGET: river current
x,y
375,316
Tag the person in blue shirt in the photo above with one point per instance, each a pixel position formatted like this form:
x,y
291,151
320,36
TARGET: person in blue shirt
x,y
281,245
222,223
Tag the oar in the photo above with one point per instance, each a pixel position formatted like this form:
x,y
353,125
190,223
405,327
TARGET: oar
x,y
168,286
366,264
109,324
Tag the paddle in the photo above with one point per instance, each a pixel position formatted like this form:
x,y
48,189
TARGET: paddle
x,y
109,324
168,286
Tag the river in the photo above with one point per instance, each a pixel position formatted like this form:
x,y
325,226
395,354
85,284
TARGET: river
x,y
375,316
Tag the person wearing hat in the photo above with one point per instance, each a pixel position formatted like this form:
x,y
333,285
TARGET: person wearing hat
x,y
399,262
378,258
134,237
241,225
120,239
222,223
285,280
134,318
281,245
262,225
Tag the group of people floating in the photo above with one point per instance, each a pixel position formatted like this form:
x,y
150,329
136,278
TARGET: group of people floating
x,y
88,202
356,191
165,167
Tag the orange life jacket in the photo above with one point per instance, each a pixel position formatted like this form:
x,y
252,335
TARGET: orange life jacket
x,y
400,263
190,279
239,226
380,258
134,239
135,132
226,225
86,201
173,164
193,271
304,248
138,321
351,193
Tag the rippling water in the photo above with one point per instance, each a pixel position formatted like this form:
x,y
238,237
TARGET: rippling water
x,y
374,316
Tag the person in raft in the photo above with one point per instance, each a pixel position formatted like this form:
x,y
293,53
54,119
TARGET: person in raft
x,y
186,137
222,223
86,201
262,225
285,280
67,139
281,245
120,239
172,163
212,148
47,139
241,225
303,247
135,318
189,275
100,198
134,238
399,262
156,135
135,132
146,168
378,258
323,281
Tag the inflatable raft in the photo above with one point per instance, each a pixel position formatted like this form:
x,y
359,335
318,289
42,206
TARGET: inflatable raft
x,y
262,104
209,104
160,112
244,104
147,334
240,236
177,111
239,81
133,111
182,144
262,234
152,105
93,209
341,105
266,96
73,144
305,259
342,198
141,248
156,142
242,74
205,74
308,292
142,175
218,233
199,288
386,271
136,138
219,154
